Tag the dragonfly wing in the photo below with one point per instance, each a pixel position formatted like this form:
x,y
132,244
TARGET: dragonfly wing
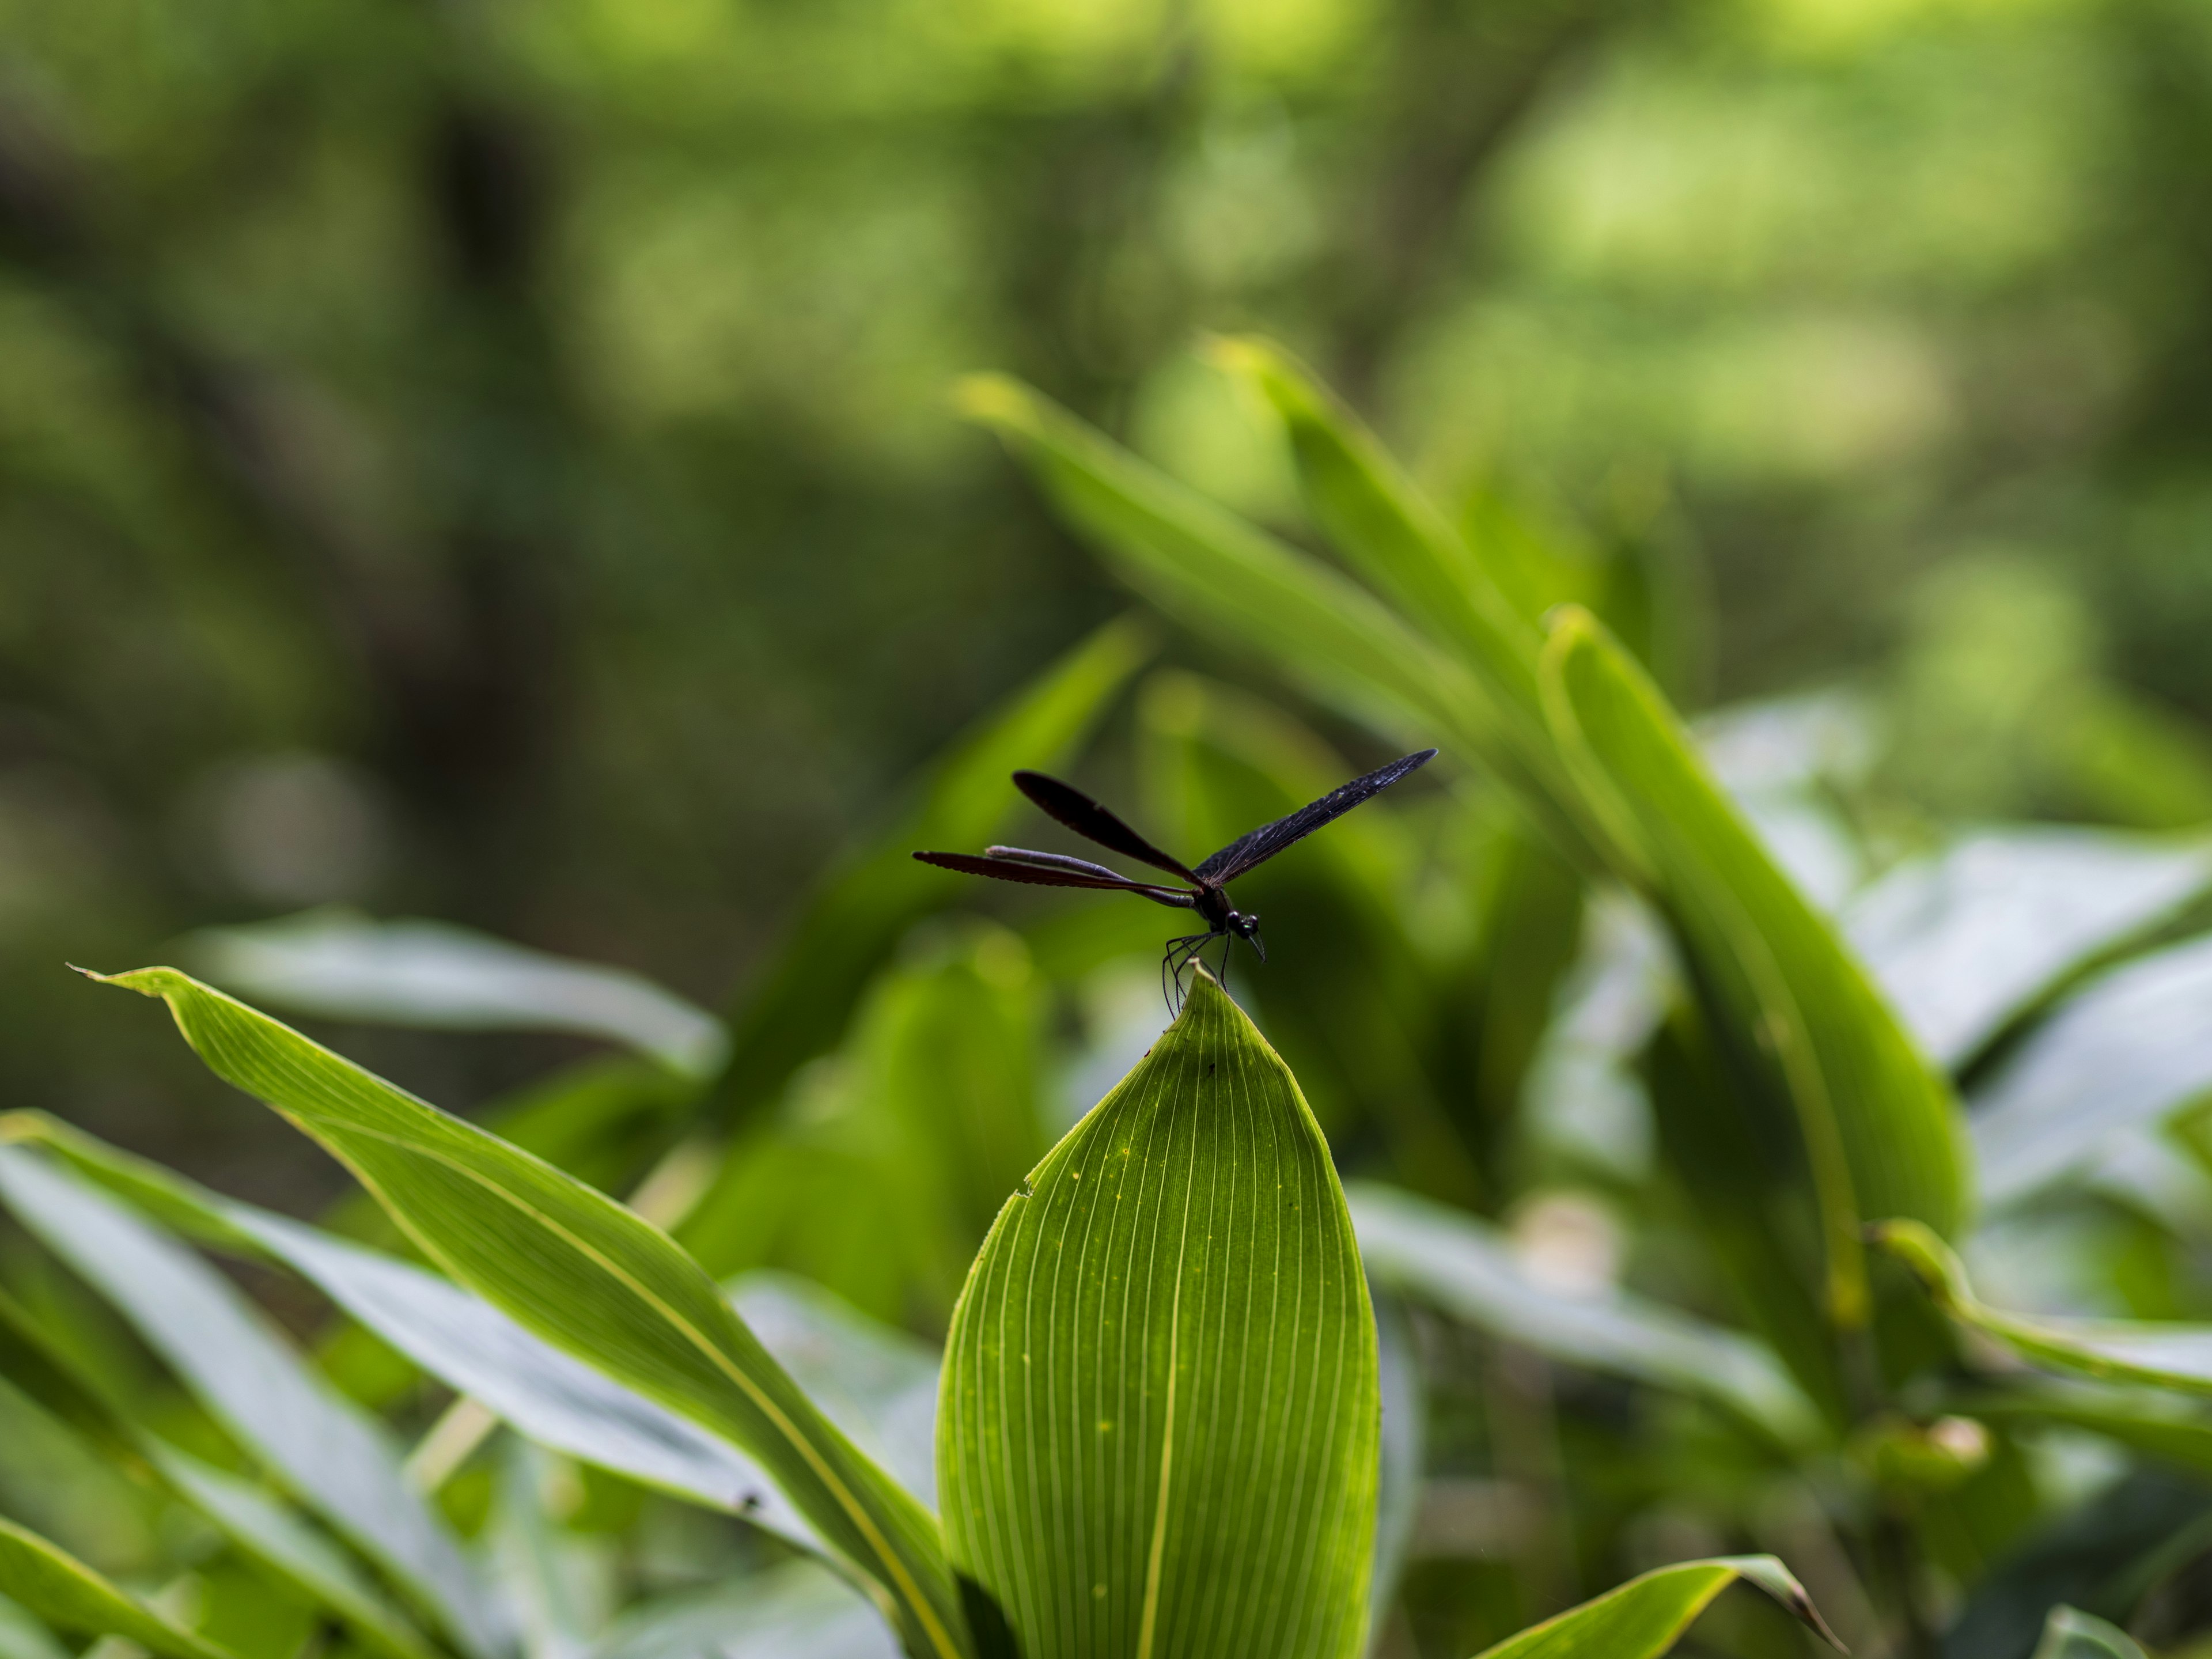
x,y
1047,875
1056,861
1269,839
1092,822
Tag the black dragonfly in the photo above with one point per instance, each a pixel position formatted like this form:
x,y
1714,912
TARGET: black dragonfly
x,y
1208,892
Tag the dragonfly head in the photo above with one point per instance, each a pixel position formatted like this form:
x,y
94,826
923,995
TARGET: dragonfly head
x,y
1247,928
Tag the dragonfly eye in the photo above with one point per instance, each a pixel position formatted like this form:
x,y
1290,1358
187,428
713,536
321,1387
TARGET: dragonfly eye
x,y
1248,926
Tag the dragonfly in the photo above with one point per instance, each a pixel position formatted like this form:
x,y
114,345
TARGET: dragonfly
x,y
1208,891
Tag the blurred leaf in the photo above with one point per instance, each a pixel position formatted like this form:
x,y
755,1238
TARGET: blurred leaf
x,y
1644,1617
2157,1424
1225,578
1402,1464
796,1611
1159,1425
271,1534
51,1584
874,1381
345,965
262,1528
23,1637
2130,1047
1408,552
551,1574
2165,1353
586,1274
323,1448
1746,1201
2070,1634
796,1008
1461,1265
1878,1123
1963,940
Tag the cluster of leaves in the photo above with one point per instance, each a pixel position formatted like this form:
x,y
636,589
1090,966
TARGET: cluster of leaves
x,y
1616,993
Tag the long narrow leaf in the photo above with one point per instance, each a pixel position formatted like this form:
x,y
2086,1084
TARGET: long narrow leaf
x,y
51,1585
326,1449
796,1611
1878,1123
1158,1428
570,1264
2070,1634
2165,1354
1644,1617
1457,1263
349,966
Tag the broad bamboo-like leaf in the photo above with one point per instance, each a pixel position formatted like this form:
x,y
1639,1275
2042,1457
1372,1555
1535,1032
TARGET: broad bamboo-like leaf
x,y
2165,1353
2130,1047
1644,1617
1878,1123
53,1585
799,1005
1964,938
345,965
558,1579
256,1523
328,1451
2070,1634
1457,1263
796,1611
1158,1426
590,1277
2174,1430
1226,577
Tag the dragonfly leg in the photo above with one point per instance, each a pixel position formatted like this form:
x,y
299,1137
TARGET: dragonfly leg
x,y
1181,952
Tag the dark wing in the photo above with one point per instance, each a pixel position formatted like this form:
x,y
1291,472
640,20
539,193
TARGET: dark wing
x,y
1269,839
1029,868
1094,823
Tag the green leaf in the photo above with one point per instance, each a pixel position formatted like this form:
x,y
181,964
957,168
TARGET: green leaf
x,y
23,1637
2165,1353
329,1452
51,1585
874,1381
2130,1047
1963,940
2070,1634
2157,1424
571,1265
785,1613
345,965
258,1525
1408,550
1401,1464
797,1009
1878,1123
1158,1432
1644,1617
1457,1263
1226,577
269,1533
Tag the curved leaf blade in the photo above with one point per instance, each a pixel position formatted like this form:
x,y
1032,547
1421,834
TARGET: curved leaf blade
x,y
1644,1617
579,1270
2131,1047
324,1448
2070,1634
345,965
53,1585
1458,1264
1159,1418
1964,939
2167,1354
1878,1122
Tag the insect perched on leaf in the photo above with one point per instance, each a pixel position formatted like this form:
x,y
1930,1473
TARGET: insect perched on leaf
x,y
1208,892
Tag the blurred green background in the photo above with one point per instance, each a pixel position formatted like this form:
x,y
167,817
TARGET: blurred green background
x,y
492,460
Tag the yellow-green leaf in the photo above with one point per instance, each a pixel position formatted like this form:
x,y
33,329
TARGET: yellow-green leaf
x,y
1644,1617
586,1274
1157,1430
53,1584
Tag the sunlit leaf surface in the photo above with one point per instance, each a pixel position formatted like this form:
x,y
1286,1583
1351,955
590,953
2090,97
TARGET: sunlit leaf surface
x,y
1158,1429
587,1275
1647,1615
